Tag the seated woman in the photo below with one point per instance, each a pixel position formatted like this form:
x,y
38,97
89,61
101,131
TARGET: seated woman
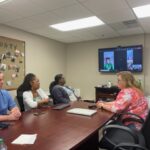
x,y
57,91
130,98
33,95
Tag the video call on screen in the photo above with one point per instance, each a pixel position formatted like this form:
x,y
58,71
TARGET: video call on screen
x,y
121,59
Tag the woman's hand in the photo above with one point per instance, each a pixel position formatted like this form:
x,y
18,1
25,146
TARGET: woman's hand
x,y
100,104
43,101
46,100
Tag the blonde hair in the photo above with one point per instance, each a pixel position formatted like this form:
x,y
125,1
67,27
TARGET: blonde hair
x,y
129,79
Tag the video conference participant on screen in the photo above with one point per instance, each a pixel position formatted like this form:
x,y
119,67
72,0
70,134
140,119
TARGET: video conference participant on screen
x,y
130,98
7,103
108,65
33,95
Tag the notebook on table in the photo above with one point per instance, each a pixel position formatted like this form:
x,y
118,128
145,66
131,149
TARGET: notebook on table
x,y
61,106
82,111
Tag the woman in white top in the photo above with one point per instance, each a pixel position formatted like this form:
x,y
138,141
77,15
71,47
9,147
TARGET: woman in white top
x,y
33,95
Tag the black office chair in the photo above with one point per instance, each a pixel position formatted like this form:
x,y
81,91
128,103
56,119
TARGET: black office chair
x,y
20,100
52,84
129,146
120,137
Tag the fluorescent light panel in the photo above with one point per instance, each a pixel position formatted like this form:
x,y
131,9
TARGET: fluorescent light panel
x,y
2,1
142,11
78,24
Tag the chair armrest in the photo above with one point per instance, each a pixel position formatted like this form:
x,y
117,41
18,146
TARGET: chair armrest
x,y
135,118
113,120
123,128
126,146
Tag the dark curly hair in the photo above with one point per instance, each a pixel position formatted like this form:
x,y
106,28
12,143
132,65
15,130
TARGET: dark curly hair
x,y
26,86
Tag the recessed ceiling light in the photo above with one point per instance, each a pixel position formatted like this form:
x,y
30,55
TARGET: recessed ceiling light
x,y
78,24
142,11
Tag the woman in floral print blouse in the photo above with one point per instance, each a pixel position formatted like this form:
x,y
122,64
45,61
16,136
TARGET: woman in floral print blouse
x,y
130,98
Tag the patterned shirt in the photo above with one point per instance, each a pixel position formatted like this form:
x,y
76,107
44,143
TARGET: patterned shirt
x,y
133,101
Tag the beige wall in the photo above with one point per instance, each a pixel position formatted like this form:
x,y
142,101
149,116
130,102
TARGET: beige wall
x,y
78,61
147,64
44,57
82,63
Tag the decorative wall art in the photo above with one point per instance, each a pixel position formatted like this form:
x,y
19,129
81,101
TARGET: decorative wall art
x,y
12,62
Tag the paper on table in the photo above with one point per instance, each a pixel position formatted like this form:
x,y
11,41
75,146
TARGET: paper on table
x,y
25,139
82,111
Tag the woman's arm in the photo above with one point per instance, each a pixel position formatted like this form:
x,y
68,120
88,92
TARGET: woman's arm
x,y
28,99
122,102
44,97
43,101
105,105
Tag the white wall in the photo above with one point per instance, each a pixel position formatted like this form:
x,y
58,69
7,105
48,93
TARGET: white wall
x,y
44,57
82,63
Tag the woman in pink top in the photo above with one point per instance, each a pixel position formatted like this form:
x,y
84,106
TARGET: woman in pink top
x,y
130,98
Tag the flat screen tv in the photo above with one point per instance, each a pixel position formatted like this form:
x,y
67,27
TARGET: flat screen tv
x,y
117,59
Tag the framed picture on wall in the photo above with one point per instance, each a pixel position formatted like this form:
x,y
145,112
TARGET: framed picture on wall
x,y
12,62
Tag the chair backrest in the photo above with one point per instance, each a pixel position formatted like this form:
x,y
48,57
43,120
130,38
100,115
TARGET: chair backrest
x,y
20,100
145,131
52,84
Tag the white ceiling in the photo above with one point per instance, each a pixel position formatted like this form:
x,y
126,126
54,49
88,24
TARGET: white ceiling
x,y
35,16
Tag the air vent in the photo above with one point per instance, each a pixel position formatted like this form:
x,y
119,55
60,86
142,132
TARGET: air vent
x,y
131,23
125,25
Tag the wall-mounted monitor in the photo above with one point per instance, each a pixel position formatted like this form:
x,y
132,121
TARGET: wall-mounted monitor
x,y
117,59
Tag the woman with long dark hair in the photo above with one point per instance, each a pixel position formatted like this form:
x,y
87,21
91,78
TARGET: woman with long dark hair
x,y
33,95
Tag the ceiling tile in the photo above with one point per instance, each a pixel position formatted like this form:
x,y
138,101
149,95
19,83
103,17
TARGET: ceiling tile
x,y
70,39
131,31
117,15
47,18
83,34
6,16
24,24
145,22
136,3
104,31
48,31
72,12
82,0
53,4
22,7
35,16
146,28
105,6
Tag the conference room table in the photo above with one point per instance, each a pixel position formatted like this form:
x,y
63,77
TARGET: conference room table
x,y
57,129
